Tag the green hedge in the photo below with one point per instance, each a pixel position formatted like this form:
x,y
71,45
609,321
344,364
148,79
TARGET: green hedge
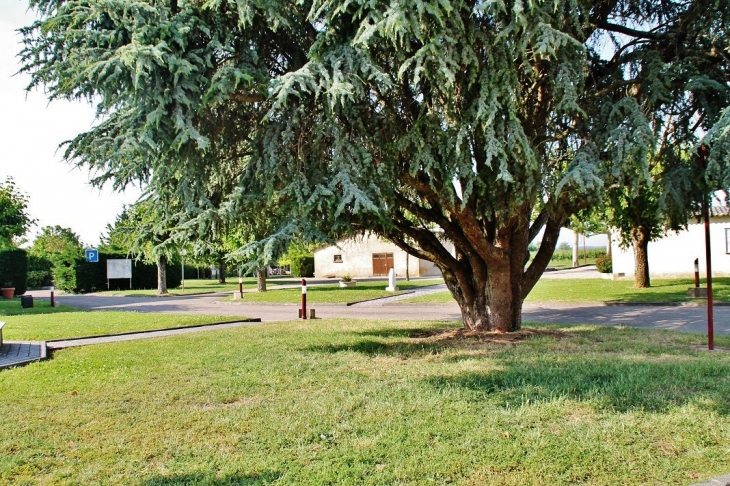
x,y
562,255
302,266
77,275
92,276
14,269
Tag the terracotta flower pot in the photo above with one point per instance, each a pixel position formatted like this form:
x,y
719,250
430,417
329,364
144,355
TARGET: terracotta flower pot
x,y
7,292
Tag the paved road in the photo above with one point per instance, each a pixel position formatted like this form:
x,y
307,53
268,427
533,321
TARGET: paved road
x,y
678,318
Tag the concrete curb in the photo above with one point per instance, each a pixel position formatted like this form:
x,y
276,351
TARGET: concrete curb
x,y
406,292
52,343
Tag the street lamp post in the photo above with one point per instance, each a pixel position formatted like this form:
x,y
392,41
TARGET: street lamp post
x,y
183,252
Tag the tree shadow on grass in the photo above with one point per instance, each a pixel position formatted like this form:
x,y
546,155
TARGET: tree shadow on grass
x,y
609,382
427,341
608,379
202,479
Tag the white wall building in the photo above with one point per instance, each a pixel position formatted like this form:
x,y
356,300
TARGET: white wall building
x,y
369,256
674,254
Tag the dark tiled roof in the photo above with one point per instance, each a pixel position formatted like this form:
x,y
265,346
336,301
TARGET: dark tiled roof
x,y
717,211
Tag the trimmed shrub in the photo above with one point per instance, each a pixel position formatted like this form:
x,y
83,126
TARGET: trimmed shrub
x,y
14,270
604,264
39,271
302,266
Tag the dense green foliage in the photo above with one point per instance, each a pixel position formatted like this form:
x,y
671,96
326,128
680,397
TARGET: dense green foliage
x,y
302,266
492,121
40,271
14,269
14,220
54,254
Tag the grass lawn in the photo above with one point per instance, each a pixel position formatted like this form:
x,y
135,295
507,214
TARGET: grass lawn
x,y
333,294
598,290
75,323
363,402
195,286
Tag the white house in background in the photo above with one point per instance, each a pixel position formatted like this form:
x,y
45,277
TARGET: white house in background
x,y
674,254
369,256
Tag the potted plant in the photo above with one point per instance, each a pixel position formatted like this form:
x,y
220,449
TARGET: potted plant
x,y
347,281
7,290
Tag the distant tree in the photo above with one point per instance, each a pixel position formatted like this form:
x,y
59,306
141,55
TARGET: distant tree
x,y
587,222
14,220
55,240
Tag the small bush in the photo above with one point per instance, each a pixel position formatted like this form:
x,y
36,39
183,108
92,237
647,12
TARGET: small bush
x,y
302,266
604,264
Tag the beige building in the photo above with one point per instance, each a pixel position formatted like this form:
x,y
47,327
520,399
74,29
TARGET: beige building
x,y
674,254
369,256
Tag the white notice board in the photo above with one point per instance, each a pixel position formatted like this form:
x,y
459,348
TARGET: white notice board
x,y
118,269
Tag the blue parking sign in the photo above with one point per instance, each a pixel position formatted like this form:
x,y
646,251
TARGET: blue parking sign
x,y
92,255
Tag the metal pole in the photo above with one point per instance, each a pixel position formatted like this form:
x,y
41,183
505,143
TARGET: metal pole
x,y
304,299
182,269
697,272
708,256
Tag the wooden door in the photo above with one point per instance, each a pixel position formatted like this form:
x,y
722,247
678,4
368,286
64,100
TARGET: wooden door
x,y
382,263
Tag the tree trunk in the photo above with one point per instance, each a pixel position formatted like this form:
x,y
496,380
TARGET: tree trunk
x,y
641,258
162,275
222,270
261,279
576,244
488,272
608,245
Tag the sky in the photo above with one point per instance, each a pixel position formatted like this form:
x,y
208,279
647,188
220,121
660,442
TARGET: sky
x,y
31,130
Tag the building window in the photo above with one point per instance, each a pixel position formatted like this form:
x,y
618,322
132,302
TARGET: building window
x,y
338,258
727,240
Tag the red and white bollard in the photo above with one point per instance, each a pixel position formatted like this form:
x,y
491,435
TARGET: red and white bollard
x,y
304,299
697,272
240,285
53,302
